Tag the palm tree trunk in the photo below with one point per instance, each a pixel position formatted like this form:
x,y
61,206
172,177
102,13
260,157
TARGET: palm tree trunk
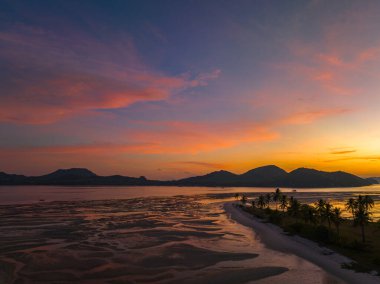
x,y
363,235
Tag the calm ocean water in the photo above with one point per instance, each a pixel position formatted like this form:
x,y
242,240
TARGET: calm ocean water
x,y
40,194
181,239
144,235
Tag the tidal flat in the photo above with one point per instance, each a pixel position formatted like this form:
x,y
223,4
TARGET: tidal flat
x,y
139,240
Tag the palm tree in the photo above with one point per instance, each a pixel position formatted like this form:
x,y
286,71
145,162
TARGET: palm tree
x,y
350,206
291,200
283,202
337,218
368,202
362,217
320,207
305,212
328,213
237,195
253,202
243,199
276,196
308,213
268,199
362,212
261,201
294,207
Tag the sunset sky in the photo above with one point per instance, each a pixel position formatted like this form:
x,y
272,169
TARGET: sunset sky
x,y
170,89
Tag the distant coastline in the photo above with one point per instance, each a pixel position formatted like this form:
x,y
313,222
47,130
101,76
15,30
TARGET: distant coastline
x,y
266,176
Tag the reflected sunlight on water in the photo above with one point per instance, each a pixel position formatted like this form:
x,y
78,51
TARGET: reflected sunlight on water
x,y
33,194
185,239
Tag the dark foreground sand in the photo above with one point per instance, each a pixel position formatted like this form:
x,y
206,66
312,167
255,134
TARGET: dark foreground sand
x,y
273,237
149,240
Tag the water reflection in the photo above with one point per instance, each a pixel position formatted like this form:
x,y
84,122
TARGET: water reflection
x,y
33,194
143,240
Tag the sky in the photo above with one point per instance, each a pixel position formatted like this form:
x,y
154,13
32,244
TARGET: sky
x,y
170,89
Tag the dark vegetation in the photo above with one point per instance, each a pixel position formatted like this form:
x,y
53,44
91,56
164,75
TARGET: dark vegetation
x,y
357,237
267,176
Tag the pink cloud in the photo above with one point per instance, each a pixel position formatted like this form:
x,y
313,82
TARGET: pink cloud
x,y
331,59
174,137
49,79
48,99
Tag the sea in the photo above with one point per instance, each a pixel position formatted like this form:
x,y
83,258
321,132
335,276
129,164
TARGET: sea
x,y
55,234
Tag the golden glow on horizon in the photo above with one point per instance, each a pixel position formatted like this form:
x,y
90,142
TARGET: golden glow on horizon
x,y
212,94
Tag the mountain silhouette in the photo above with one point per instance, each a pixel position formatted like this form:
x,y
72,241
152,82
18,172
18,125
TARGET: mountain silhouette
x,y
376,179
74,173
218,178
11,178
73,176
273,176
304,177
263,176
266,176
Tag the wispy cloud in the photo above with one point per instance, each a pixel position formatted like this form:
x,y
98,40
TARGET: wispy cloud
x,y
201,164
311,116
366,158
171,137
342,151
49,79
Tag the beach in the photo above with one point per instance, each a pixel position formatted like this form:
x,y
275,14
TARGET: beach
x,y
188,239
274,237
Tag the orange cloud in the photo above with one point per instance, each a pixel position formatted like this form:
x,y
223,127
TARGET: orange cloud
x,y
166,137
342,151
186,137
371,158
311,116
201,164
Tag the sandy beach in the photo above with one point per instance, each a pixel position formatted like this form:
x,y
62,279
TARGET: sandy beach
x,y
275,238
181,239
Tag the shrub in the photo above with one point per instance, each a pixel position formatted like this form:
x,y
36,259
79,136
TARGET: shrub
x,y
376,261
275,217
356,245
322,234
295,228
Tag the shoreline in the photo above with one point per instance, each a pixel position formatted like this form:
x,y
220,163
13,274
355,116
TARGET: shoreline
x,y
274,238
180,185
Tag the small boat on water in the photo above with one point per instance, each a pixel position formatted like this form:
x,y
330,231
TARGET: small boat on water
x,y
294,190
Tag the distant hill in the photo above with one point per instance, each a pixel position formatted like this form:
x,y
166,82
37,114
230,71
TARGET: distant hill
x,y
266,176
273,176
263,176
74,176
304,177
71,174
11,178
219,178
377,179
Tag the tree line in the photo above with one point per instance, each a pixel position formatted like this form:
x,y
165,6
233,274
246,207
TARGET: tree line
x,y
321,212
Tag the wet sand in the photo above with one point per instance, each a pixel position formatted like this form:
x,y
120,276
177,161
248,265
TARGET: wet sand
x,y
142,240
275,238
